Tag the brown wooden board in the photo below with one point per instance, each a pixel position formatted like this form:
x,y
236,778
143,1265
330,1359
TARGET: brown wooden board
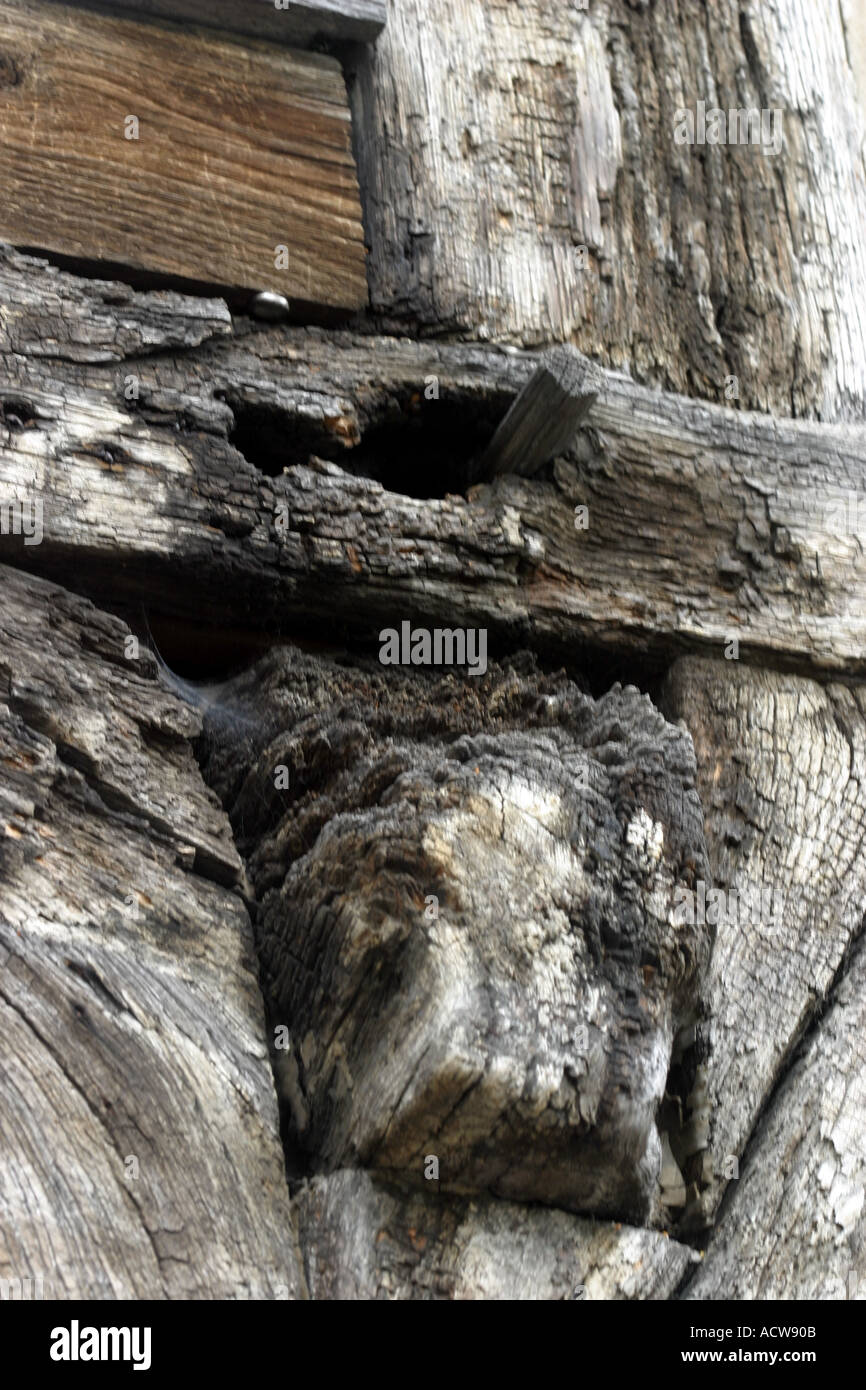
x,y
241,149
300,23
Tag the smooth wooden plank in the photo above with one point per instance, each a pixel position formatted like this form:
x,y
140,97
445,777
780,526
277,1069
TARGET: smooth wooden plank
x,y
242,148
358,21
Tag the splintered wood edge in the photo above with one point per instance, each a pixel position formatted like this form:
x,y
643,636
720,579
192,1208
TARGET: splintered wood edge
x,y
544,418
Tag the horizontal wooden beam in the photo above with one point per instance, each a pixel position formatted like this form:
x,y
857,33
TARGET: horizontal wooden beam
x,y
298,23
701,524
191,155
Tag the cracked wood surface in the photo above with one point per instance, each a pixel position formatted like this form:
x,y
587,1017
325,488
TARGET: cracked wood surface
x,y
138,1122
116,411
545,200
485,869
795,1225
704,523
749,484
73,319
782,778
244,148
364,1240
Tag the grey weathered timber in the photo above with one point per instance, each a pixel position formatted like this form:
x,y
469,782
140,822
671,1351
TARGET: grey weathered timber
x,y
364,1240
89,321
795,1227
461,886
299,22
702,523
485,869
543,420
782,776
139,1145
522,183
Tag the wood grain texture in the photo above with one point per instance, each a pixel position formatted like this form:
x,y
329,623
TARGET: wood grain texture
x,y
130,1013
782,778
795,1225
365,1240
92,320
854,22
544,419
537,1005
242,148
499,140
704,523
300,23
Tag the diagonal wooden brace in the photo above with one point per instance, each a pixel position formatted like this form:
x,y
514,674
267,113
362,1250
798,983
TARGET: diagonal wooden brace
x,y
545,416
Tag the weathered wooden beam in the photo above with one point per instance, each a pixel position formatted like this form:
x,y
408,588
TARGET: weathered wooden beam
x,y
804,1176
190,154
535,207
298,22
701,523
544,419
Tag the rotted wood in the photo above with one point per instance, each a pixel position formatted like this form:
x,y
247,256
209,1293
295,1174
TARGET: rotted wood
x,y
485,867
244,149
139,1144
481,868
670,526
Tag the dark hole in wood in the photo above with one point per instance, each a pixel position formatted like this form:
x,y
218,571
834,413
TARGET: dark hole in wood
x,y
414,446
673,1119
271,440
111,454
15,413
426,447
203,653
